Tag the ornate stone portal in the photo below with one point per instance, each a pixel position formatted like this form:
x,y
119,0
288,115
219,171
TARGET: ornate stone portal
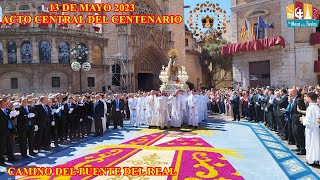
x,y
173,77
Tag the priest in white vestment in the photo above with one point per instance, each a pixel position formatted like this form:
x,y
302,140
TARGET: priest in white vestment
x,y
162,108
312,133
198,108
192,106
205,101
177,112
185,108
133,106
151,112
142,109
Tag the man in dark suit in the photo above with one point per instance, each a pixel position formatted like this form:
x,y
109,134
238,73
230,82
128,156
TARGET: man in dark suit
x,y
78,114
6,130
83,115
89,110
297,126
43,120
25,128
235,105
257,105
69,114
109,109
98,114
117,110
281,103
251,105
59,120
53,127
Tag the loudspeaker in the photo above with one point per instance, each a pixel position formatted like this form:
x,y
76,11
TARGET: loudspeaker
x,y
103,89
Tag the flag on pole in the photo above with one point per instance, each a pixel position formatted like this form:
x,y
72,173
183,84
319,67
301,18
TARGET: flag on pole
x,y
95,27
253,34
263,25
244,30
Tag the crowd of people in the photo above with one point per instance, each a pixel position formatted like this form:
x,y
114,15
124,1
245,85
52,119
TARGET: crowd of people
x,y
37,121
292,113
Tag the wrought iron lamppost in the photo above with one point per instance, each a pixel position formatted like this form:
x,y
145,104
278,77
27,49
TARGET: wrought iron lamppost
x,y
80,54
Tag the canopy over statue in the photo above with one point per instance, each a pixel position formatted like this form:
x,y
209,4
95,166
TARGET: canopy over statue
x,y
173,77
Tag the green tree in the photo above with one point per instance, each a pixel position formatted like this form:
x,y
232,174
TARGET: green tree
x,y
213,63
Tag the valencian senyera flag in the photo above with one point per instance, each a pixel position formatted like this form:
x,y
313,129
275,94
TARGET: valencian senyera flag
x,y
244,30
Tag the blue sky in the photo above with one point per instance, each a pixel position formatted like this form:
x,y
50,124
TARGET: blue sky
x,y
224,4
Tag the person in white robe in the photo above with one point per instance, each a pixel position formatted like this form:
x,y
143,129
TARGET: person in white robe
x,y
198,108
133,106
177,112
141,109
192,105
312,133
162,108
184,107
205,101
151,113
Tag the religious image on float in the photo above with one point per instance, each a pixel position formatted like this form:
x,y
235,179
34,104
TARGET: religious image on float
x,y
174,76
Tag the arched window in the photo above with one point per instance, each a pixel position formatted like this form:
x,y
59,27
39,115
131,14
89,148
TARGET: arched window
x,y
45,52
24,8
97,55
11,8
1,53
26,52
64,53
116,75
12,52
143,8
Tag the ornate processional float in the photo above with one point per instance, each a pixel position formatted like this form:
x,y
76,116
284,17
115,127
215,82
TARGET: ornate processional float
x,y
173,76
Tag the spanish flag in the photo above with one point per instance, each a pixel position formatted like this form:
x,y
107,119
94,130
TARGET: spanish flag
x,y
244,31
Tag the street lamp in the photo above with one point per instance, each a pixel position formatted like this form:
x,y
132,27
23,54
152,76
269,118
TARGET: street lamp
x,y
80,54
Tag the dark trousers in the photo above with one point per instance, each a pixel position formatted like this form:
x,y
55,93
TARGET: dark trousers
x,y
258,113
42,137
252,113
73,127
26,136
280,123
117,119
290,133
83,128
108,121
88,122
60,126
76,127
98,125
3,142
223,110
66,128
53,134
236,113
298,134
10,144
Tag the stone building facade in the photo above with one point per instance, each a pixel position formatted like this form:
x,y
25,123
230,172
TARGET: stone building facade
x,y
276,66
123,57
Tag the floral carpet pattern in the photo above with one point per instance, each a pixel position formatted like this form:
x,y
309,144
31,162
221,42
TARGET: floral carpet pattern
x,y
220,150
